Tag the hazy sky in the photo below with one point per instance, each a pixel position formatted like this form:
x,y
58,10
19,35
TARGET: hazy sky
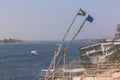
x,y
49,19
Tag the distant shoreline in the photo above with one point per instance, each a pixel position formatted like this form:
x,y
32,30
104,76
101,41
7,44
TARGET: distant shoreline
x,y
10,40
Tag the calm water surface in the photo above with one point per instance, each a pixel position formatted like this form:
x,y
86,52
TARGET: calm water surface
x,y
16,62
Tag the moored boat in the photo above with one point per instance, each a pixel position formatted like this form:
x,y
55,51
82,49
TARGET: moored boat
x,y
99,50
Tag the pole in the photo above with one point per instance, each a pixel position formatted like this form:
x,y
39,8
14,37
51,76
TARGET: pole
x,y
67,47
60,45
69,28
54,69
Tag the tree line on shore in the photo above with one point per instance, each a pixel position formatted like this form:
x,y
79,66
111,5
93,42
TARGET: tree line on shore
x,y
10,40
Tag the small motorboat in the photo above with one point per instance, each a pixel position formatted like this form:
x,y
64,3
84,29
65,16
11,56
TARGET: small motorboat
x,y
34,53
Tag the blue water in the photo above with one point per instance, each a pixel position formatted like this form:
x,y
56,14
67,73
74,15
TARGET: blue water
x,y
16,62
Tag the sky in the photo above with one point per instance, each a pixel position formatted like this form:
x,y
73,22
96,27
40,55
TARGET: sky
x,y
49,19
